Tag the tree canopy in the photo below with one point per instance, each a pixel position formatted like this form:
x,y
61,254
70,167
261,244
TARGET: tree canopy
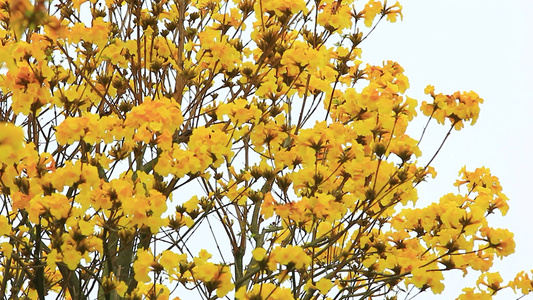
x,y
226,149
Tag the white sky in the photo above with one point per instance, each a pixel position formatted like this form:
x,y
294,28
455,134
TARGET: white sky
x,y
484,46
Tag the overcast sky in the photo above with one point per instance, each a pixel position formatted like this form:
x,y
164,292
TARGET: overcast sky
x,y
484,46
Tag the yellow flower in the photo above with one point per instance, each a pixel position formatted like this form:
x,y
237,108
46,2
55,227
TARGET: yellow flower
x,y
202,257
206,272
372,8
501,240
422,277
290,255
404,146
170,260
71,257
324,285
11,143
97,33
471,294
111,283
52,258
429,90
5,227
259,254
393,11
491,280
522,282
268,205
142,265
264,291
57,204
6,248
216,277
191,204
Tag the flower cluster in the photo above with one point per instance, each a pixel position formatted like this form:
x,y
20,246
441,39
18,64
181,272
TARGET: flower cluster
x,y
458,107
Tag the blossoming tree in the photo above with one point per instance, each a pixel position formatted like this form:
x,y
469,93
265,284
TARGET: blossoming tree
x,y
131,129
